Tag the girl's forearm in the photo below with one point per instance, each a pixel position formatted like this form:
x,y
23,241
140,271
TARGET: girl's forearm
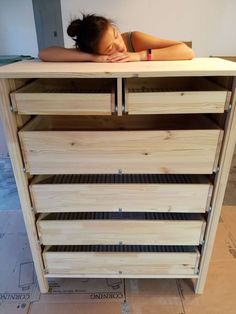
x,y
60,54
176,52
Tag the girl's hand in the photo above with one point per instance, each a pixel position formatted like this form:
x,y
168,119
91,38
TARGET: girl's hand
x,y
124,57
99,58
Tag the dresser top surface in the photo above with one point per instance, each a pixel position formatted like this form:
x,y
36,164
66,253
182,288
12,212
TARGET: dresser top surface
x,y
195,67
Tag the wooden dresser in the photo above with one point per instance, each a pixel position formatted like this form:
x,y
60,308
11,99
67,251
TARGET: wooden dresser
x,y
121,169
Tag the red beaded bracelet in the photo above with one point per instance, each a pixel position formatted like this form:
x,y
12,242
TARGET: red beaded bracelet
x,y
149,54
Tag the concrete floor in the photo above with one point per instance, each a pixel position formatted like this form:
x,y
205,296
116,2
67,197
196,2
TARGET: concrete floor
x,y
8,192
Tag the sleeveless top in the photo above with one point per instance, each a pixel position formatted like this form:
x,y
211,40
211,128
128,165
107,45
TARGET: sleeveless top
x,y
130,47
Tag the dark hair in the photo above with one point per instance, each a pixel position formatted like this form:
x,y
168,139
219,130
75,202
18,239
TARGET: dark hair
x,y
88,31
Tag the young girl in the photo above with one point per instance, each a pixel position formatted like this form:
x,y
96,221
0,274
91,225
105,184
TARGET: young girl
x,y
97,39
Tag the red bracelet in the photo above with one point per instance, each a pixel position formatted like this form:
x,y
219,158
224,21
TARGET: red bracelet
x,y
149,54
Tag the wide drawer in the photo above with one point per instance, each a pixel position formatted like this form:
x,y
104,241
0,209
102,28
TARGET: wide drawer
x,y
121,228
158,144
121,192
121,261
66,96
174,95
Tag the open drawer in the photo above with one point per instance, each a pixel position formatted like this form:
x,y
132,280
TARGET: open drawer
x,y
121,192
66,96
174,95
129,261
121,228
128,144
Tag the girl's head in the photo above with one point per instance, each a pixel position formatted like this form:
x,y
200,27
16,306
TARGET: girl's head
x,y
96,34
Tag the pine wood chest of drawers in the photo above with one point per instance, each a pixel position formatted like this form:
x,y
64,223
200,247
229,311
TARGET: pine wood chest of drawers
x,y
121,168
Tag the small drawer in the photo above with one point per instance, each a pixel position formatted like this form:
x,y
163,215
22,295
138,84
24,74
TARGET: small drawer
x,y
66,96
121,192
174,95
130,261
158,144
121,228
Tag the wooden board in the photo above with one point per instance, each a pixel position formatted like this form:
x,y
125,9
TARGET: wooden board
x,y
186,150
138,228
69,152
175,194
121,264
73,97
194,67
10,127
174,95
220,186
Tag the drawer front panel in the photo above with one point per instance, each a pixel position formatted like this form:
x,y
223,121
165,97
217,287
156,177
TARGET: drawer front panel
x,y
121,264
73,97
174,95
158,231
176,102
105,195
61,152
80,104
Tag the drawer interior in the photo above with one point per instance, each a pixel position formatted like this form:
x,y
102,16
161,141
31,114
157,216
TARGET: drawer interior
x,y
122,216
117,123
122,179
79,85
123,248
170,84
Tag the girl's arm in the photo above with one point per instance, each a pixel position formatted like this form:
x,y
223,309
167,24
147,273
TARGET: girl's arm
x,y
176,52
162,49
60,54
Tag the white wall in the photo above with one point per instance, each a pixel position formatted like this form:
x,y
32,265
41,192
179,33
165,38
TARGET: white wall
x,y
17,28
17,37
210,24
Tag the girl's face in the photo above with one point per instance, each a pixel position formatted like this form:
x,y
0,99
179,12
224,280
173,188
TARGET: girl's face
x,y
111,42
